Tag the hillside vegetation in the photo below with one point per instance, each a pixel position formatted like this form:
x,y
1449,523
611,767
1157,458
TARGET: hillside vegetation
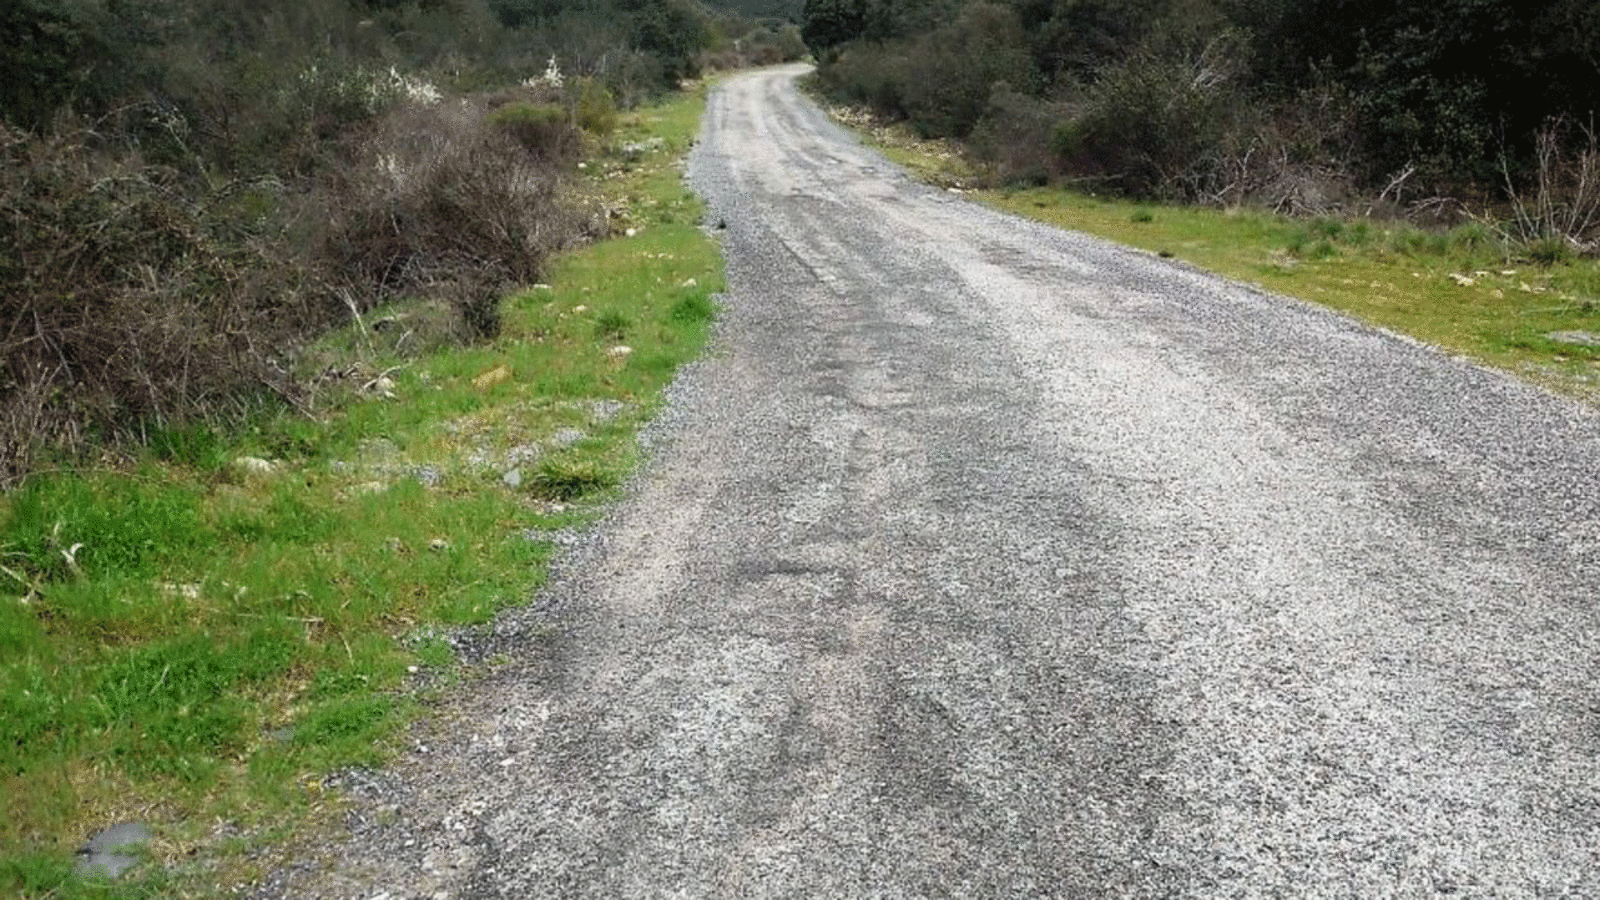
x,y
190,190
1434,111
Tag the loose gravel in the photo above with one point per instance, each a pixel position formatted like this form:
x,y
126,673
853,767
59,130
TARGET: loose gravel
x,y
987,560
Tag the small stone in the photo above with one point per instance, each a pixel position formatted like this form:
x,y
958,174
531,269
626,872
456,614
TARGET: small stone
x,y
620,351
438,545
114,851
1582,338
512,479
255,465
494,376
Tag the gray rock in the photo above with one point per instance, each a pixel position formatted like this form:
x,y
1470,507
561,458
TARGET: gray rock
x,y
254,465
1583,338
113,851
512,479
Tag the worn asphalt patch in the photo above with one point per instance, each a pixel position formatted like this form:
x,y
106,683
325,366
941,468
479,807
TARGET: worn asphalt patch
x,y
985,560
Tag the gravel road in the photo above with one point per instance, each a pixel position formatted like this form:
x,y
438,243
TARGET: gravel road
x,y
981,559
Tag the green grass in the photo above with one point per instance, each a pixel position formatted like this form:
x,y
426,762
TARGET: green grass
x,y
188,640
1461,290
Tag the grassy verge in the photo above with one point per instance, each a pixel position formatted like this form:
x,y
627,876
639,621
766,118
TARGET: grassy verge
x,y
1464,290
193,639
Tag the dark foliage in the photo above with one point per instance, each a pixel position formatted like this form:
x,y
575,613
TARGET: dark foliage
x,y
1199,98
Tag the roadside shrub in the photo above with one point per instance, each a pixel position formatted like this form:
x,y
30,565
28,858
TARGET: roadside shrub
x,y
441,200
1296,158
127,306
1151,124
951,73
545,130
1559,203
593,108
1013,137
874,75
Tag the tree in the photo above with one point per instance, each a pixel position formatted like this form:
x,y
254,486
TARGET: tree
x,y
827,25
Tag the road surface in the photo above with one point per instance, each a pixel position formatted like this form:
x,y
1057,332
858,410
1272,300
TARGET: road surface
x,y
982,560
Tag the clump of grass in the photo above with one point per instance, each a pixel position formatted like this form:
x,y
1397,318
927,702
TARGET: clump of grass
x,y
612,324
1312,242
571,479
1326,227
692,309
1142,216
1476,239
1549,251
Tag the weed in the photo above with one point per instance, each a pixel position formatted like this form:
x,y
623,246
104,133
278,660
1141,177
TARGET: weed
x,y
612,324
1141,216
198,445
1475,239
1549,251
571,479
1327,228
692,309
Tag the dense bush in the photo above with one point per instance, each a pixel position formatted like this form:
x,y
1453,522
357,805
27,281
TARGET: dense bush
x,y
1013,136
443,198
129,300
952,70
941,81
1153,123
1300,105
543,129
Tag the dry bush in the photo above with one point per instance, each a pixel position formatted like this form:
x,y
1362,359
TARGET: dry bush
x,y
138,295
543,129
1013,137
1296,159
1561,205
123,307
438,200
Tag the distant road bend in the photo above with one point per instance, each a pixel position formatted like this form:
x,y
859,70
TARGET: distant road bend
x,y
986,560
